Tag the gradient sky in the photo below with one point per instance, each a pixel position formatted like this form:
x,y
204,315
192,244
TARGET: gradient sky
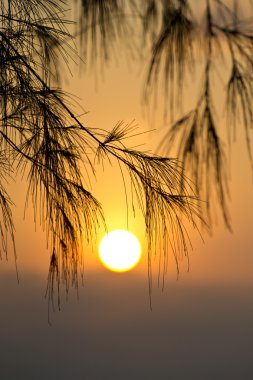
x,y
200,326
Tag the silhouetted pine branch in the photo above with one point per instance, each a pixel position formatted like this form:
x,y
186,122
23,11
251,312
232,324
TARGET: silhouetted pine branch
x,y
198,132
172,51
102,24
177,40
43,139
160,193
6,222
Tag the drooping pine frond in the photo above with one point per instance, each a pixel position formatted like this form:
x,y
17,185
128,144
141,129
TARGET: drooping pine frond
x,y
42,138
6,222
38,136
101,24
163,198
198,132
172,51
178,39
200,150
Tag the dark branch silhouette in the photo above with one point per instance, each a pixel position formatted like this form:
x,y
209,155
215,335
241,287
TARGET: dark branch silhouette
x,y
43,139
177,39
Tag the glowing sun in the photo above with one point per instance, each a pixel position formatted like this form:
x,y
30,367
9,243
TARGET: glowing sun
x,y
119,250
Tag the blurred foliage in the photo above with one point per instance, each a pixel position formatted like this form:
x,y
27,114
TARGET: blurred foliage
x,y
187,43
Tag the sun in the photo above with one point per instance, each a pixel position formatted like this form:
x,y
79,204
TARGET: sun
x,y
119,250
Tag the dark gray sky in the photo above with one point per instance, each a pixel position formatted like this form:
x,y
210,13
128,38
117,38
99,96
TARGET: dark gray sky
x,y
193,332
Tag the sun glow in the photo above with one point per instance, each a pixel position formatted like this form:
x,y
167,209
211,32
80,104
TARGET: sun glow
x,y
119,251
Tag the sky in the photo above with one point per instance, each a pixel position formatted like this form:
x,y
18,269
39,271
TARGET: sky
x,y
200,326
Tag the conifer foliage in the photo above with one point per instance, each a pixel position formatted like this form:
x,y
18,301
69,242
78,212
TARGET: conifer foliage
x,y
42,138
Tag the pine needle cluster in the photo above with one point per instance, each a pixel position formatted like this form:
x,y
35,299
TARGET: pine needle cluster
x,y
183,47
42,138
